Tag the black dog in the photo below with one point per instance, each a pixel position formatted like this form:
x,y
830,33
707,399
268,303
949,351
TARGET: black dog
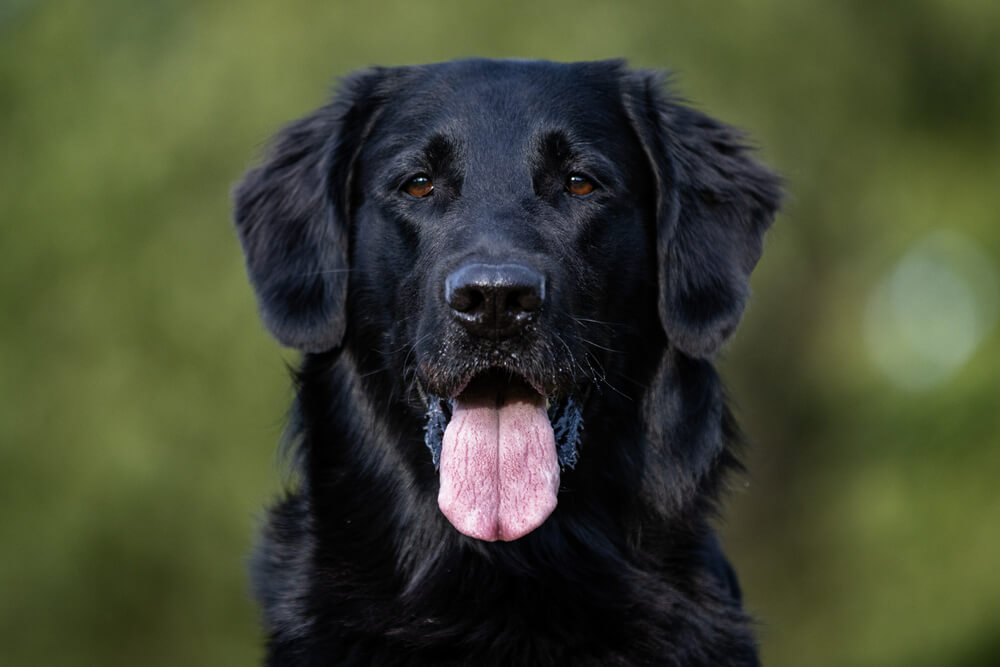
x,y
509,279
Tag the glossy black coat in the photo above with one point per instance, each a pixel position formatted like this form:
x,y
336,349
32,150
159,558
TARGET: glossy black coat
x,y
644,279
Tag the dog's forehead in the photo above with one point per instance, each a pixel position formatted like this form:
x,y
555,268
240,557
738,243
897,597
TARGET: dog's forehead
x,y
517,99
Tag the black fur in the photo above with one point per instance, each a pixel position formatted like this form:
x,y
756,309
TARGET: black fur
x,y
647,277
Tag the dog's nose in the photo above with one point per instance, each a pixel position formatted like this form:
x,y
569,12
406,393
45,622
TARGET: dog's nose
x,y
494,300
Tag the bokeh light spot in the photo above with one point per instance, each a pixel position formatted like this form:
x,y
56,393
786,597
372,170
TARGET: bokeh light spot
x,y
928,314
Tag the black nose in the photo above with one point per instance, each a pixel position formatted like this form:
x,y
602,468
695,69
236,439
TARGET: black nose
x,y
494,300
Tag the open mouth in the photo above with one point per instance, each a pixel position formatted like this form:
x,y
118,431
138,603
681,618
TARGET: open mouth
x,y
499,445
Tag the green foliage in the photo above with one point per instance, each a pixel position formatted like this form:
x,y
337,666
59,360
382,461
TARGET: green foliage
x,y
141,400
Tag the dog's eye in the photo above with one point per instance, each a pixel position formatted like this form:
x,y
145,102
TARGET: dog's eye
x,y
419,186
579,185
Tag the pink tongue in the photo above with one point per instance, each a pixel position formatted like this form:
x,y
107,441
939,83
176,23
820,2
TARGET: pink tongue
x,y
499,469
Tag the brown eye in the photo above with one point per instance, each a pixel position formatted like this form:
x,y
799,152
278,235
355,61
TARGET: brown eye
x,y
419,186
579,185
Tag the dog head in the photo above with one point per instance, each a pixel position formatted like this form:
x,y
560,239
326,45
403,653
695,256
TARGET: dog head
x,y
502,236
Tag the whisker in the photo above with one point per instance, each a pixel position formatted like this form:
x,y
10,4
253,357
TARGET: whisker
x,y
413,349
616,326
587,341
593,321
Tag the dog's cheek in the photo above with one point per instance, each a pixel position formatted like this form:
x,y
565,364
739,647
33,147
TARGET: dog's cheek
x,y
380,262
618,260
618,312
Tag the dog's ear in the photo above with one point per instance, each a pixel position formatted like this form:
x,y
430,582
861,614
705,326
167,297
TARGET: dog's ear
x,y
714,203
292,213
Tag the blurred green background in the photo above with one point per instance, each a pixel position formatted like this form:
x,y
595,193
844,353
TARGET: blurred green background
x,y
141,400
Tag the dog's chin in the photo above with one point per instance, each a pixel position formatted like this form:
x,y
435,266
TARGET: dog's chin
x,y
499,444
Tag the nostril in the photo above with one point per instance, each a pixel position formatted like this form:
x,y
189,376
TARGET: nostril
x,y
525,300
465,299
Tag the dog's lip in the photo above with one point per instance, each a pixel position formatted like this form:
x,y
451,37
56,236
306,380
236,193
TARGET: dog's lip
x,y
497,375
